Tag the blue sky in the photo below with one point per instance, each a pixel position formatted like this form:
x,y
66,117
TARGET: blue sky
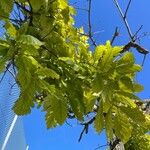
x,y
105,18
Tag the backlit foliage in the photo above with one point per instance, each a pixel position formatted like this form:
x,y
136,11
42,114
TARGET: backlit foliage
x,y
57,71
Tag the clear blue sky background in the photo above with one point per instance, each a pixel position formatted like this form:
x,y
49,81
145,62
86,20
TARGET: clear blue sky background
x,y
105,18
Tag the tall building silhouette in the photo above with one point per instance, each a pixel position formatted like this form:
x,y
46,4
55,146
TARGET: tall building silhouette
x,y
12,135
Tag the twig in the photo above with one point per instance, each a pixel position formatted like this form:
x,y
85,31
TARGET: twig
x,y
143,60
86,126
22,7
101,146
83,34
134,36
10,91
89,24
116,33
68,124
11,73
7,67
81,134
143,35
13,20
30,12
124,18
125,14
139,48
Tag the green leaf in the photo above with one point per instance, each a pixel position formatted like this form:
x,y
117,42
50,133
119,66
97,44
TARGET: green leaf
x,y
36,4
59,107
126,64
98,85
107,98
29,40
105,51
116,50
25,102
6,7
126,59
128,69
139,142
11,29
135,114
44,72
109,124
56,104
129,95
67,60
126,84
137,87
99,51
62,4
99,120
50,119
89,100
107,58
28,83
122,127
2,64
29,50
4,47
75,93
125,100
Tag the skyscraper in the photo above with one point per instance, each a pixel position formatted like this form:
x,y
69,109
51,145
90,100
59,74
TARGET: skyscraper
x,y
12,135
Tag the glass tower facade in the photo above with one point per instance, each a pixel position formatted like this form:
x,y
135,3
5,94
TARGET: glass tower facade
x,y
11,127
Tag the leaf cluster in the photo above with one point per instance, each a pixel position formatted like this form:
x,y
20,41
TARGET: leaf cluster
x,y
57,71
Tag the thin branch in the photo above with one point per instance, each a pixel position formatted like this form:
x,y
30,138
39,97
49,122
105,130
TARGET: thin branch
x,y
136,33
10,91
89,17
83,34
124,18
68,124
139,48
89,23
86,127
22,7
101,146
116,34
13,20
11,73
81,134
144,58
143,35
125,14
4,74
30,12
47,34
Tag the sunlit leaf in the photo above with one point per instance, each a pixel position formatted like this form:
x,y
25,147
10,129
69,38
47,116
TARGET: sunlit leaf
x,y
99,121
